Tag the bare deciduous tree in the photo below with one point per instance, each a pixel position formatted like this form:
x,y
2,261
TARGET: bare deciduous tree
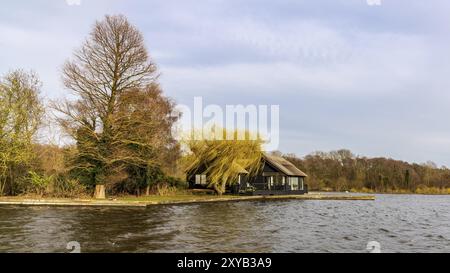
x,y
111,76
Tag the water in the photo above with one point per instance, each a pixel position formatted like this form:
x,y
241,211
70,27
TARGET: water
x,y
400,223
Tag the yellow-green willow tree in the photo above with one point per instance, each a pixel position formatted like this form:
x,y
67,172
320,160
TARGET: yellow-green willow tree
x,y
21,112
220,156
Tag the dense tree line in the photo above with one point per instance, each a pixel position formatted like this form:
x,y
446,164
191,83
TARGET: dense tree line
x,y
343,171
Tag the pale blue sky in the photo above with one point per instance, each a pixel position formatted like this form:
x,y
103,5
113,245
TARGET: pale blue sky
x,y
373,79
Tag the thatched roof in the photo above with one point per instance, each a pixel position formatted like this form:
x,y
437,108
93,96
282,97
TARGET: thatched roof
x,y
277,162
238,168
283,165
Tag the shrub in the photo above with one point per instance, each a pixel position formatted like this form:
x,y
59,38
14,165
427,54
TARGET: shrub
x,y
165,189
170,186
52,186
67,187
176,182
421,189
39,184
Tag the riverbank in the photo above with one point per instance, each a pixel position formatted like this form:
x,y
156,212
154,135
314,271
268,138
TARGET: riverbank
x,y
419,191
172,200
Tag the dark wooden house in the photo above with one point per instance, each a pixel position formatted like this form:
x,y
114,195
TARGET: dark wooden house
x,y
277,176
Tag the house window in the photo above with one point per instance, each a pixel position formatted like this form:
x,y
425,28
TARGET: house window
x,y
293,181
200,179
269,182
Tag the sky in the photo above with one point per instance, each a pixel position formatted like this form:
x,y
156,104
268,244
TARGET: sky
x,y
374,79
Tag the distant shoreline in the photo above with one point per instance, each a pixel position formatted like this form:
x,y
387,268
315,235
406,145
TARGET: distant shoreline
x,y
428,191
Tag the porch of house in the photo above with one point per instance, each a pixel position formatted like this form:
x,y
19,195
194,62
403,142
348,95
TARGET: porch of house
x,y
276,184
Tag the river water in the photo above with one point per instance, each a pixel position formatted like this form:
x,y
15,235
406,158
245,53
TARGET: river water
x,y
399,223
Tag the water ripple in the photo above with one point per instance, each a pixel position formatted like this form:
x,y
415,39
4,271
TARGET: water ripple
x,y
401,223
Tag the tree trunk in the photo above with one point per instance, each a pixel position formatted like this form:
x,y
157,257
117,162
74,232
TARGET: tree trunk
x,y
218,190
100,192
147,191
